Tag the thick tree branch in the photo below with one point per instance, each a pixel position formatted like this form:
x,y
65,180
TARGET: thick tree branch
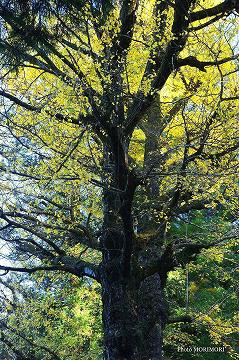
x,y
180,319
86,120
216,156
224,8
192,205
165,66
194,62
17,101
210,22
169,61
181,253
33,269
66,264
128,19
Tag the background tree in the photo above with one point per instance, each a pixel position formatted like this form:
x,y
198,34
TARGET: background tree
x,y
117,118
203,294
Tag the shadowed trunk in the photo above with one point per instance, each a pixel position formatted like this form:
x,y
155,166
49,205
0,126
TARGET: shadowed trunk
x,y
133,314
133,307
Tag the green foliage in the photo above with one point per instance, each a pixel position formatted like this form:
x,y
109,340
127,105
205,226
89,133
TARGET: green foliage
x,y
212,300
54,315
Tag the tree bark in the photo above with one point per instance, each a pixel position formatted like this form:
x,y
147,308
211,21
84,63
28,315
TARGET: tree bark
x,y
133,307
133,315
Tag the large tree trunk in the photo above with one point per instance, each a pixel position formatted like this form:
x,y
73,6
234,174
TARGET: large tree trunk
x,y
133,308
133,315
